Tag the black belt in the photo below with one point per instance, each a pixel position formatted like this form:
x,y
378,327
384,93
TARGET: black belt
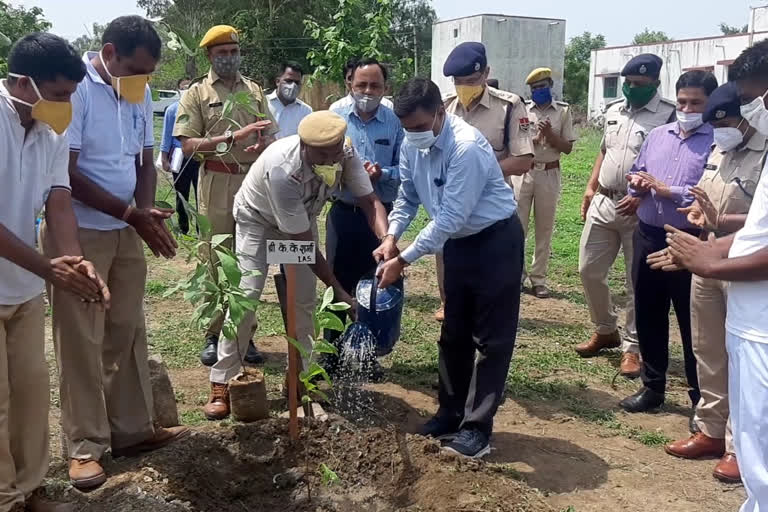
x,y
657,232
614,195
485,233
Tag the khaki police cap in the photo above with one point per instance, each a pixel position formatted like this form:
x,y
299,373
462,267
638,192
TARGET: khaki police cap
x,y
322,129
538,75
220,34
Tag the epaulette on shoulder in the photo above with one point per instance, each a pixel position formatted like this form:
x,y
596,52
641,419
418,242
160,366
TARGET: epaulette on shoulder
x,y
669,102
198,80
563,103
504,95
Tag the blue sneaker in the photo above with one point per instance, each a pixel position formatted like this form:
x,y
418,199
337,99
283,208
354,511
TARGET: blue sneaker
x,y
440,428
469,443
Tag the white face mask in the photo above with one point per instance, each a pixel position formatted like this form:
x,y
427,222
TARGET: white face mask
x,y
728,138
365,102
689,121
289,92
422,140
756,115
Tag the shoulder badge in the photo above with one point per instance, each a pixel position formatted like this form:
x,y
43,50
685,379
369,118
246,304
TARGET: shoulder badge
x,y
524,124
562,103
507,96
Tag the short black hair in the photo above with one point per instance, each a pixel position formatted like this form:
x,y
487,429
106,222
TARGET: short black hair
x,y
752,63
178,82
128,33
417,93
370,61
697,78
290,65
44,57
349,66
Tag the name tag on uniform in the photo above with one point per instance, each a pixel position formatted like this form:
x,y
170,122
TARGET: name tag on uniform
x,y
281,252
710,167
214,105
610,123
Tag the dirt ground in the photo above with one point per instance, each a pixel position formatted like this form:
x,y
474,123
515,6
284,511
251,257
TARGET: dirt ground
x,y
544,458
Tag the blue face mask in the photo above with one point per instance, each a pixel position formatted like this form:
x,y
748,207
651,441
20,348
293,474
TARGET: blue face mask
x,y
542,96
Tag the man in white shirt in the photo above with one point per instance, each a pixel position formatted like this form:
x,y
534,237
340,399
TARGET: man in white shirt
x,y
35,110
742,259
106,398
284,103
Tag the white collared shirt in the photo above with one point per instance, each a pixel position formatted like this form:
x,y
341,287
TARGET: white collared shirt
x,y
108,145
288,116
348,101
31,165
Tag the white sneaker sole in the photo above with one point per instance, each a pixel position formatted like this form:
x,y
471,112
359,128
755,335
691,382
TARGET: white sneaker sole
x,y
479,455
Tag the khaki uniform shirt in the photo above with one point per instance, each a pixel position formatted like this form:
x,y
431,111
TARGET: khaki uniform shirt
x,y
285,193
200,115
625,132
488,117
730,178
559,114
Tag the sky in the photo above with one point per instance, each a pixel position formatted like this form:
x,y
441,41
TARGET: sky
x,y
617,20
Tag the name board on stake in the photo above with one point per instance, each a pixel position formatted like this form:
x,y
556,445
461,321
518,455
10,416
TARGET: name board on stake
x,y
288,252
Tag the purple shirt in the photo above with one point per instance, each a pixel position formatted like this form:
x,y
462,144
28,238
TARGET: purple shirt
x,y
679,162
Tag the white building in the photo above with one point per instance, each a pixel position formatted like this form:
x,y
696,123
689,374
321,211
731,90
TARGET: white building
x,y
515,45
713,54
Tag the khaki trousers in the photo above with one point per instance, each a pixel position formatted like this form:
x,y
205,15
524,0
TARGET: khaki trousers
x,y
605,232
708,310
106,398
538,190
251,247
24,398
216,196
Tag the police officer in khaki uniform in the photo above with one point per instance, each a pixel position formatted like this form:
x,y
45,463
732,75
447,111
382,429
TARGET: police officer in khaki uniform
x,y
552,129
723,197
499,115
203,126
609,212
280,199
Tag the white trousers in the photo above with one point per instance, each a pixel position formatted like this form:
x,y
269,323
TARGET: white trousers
x,y
748,393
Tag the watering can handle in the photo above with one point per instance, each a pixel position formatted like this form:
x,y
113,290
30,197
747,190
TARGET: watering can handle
x,y
374,288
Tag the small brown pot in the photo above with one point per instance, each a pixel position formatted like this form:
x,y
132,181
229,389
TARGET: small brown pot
x,y
248,396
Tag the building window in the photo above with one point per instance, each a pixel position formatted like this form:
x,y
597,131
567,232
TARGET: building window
x,y
610,87
455,32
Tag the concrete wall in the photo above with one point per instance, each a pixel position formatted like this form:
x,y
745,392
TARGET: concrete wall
x,y
515,46
758,19
715,53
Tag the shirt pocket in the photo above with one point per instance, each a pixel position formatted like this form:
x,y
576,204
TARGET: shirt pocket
x,y
636,138
612,133
133,124
383,150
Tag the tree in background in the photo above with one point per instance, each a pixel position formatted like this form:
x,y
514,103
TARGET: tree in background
x,y
16,22
411,18
729,30
90,41
650,37
578,53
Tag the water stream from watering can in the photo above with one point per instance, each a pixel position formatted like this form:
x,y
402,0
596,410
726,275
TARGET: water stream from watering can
x,y
357,355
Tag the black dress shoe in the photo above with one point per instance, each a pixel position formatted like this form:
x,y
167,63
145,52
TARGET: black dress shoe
x,y
253,356
692,425
642,401
209,355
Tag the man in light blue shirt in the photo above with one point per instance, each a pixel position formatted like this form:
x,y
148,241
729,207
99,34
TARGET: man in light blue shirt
x,y
376,134
284,103
185,176
449,167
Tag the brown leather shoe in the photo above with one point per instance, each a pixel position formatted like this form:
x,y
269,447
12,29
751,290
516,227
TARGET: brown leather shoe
x,y
597,343
698,446
630,365
727,470
37,503
540,291
86,473
217,407
162,437
440,314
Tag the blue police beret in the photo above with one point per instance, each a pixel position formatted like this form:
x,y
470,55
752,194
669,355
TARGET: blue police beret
x,y
723,102
465,59
645,64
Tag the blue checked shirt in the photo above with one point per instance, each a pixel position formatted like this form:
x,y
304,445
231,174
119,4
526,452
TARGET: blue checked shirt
x,y
376,141
459,183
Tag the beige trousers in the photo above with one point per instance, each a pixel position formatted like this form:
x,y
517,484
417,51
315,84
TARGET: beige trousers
x,y
538,190
106,398
251,248
708,310
24,398
605,232
216,196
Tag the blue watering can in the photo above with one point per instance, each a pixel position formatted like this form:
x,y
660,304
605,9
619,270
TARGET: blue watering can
x,y
381,311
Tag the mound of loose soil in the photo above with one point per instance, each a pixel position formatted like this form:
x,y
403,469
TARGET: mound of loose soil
x,y
257,468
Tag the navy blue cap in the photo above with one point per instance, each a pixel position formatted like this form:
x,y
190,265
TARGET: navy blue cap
x,y
465,59
723,102
645,64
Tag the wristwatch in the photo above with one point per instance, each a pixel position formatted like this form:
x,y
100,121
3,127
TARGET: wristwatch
x,y
230,135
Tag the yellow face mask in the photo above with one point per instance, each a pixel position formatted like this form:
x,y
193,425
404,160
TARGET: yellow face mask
x,y
468,93
56,114
132,88
327,173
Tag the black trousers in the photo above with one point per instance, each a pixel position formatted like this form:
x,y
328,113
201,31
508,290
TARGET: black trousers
x,y
482,308
655,290
182,183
